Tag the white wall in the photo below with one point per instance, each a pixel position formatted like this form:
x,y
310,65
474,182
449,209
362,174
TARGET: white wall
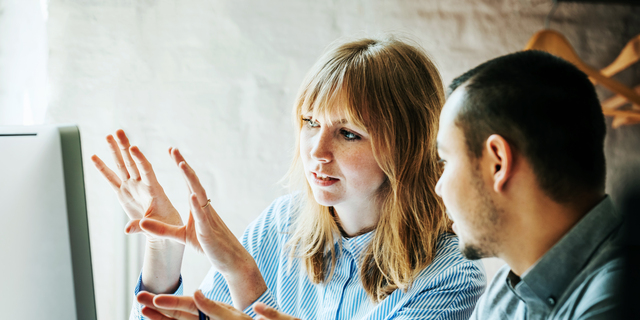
x,y
217,79
23,61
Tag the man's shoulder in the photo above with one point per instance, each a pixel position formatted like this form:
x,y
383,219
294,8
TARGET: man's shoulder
x,y
498,302
596,294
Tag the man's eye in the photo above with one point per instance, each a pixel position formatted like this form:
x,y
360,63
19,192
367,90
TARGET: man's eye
x,y
310,123
349,136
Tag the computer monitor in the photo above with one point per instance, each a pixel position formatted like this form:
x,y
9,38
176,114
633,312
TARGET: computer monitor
x,y
44,236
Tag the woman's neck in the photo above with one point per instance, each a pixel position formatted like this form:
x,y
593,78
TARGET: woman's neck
x,y
356,220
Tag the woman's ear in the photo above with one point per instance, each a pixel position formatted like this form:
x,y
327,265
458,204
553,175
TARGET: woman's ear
x,y
500,156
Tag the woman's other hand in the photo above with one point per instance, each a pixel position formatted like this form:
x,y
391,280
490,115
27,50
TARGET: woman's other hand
x,y
136,186
206,232
142,197
167,307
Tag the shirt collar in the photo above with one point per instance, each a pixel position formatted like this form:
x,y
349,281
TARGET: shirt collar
x,y
355,245
551,275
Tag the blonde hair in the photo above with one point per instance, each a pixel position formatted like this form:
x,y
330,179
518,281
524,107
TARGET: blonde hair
x,y
394,91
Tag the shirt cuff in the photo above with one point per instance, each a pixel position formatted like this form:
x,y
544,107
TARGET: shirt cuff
x,y
140,286
265,298
136,308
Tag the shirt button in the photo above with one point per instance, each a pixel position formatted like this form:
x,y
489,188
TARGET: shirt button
x,y
551,300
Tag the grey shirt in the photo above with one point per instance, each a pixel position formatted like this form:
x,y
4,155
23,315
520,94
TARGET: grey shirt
x,y
578,278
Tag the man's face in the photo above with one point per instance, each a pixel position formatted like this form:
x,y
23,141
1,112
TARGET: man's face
x,y
465,190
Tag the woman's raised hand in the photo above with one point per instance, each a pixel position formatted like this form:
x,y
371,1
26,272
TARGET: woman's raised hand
x,y
206,232
136,186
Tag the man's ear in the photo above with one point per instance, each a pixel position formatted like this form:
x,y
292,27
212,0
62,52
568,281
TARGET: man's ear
x,y
499,154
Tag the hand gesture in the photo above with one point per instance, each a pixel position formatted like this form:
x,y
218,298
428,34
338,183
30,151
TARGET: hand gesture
x,y
168,307
206,232
136,186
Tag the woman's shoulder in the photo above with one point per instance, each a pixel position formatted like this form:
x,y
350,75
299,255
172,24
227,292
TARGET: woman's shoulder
x,y
269,231
449,261
278,215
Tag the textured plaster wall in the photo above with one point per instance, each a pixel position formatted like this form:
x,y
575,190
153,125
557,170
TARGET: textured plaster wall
x,y
217,79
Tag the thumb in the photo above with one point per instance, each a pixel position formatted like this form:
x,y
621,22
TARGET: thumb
x,y
164,230
266,312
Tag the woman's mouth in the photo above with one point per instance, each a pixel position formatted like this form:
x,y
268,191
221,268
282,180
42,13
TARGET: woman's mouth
x,y
323,180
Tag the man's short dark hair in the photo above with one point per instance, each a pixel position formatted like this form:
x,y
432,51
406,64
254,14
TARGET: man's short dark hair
x,y
547,110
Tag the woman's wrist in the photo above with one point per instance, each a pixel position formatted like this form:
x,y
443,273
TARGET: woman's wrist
x,y
162,263
246,284
158,244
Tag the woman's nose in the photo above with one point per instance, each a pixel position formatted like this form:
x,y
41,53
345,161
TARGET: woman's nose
x,y
439,187
322,148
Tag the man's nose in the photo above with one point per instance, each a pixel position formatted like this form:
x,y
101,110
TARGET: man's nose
x,y
322,147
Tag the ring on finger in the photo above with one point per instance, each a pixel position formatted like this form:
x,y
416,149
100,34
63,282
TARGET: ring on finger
x,y
207,204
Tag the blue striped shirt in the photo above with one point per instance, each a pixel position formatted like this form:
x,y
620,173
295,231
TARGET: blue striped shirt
x,y
446,289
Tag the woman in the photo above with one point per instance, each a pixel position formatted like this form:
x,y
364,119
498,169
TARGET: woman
x,y
367,237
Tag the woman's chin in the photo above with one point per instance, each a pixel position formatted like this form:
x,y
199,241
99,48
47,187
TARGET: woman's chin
x,y
325,198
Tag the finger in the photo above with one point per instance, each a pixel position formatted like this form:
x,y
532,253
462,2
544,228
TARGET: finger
x,y
194,183
146,170
111,176
117,157
152,314
216,310
145,298
178,158
164,230
123,143
176,155
178,303
163,314
133,226
198,214
270,313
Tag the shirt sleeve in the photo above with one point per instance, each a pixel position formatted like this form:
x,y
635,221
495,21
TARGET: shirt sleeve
x,y
266,298
136,308
451,296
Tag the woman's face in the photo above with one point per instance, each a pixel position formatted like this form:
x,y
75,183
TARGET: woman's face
x,y
338,162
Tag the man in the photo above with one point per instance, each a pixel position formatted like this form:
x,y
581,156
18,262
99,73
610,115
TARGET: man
x,y
521,138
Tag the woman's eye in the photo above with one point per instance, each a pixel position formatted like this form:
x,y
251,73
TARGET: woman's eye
x,y
310,123
349,136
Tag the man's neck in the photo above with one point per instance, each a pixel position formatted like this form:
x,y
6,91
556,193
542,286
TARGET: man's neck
x,y
540,224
